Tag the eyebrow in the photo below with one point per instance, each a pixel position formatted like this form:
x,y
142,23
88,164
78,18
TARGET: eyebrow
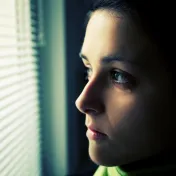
x,y
109,59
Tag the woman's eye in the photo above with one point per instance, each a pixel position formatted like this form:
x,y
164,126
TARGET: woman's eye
x,y
122,79
119,77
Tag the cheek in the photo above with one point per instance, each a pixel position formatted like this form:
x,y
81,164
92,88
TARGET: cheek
x,y
129,118
119,107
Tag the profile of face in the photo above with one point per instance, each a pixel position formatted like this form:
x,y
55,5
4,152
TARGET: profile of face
x,y
126,97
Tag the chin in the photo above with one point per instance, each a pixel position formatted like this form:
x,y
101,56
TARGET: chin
x,y
100,156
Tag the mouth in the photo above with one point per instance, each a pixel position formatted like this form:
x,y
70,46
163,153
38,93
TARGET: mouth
x,y
94,134
95,131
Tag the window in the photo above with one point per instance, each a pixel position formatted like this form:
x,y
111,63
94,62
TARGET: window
x,y
19,90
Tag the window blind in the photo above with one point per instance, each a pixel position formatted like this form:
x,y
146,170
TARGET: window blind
x,y
19,90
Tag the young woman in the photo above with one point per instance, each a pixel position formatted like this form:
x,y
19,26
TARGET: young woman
x,y
128,99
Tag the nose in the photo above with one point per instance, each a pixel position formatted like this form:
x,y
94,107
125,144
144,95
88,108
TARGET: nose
x,y
90,100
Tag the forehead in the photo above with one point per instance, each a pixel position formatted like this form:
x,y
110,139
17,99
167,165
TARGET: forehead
x,y
110,33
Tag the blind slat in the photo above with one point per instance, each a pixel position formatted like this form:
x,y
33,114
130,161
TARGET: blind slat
x,y
15,52
13,109
6,21
14,153
4,62
6,31
9,91
16,168
19,89
9,131
23,66
12,141
17,79
7,102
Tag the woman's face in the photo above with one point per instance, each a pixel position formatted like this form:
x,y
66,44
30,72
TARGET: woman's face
x,y
126,96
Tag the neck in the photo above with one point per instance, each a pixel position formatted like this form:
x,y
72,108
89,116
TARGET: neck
x,y
158,160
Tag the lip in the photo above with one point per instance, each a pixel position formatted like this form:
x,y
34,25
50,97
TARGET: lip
x,y
95,130
95,134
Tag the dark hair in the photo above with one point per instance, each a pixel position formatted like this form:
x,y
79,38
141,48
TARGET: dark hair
x,y
154,16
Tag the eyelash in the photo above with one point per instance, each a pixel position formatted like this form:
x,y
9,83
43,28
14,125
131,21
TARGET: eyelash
x,y
126,80
87,73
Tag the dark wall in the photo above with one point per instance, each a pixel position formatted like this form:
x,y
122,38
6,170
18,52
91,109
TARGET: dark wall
x,y
79,161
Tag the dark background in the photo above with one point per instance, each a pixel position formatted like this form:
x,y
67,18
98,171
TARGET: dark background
x,y
75,154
